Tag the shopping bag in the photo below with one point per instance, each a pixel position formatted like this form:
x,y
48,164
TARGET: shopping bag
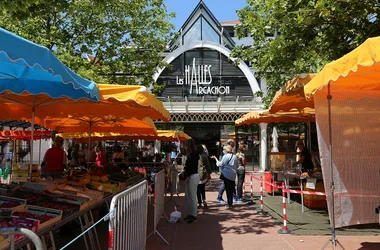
x,y
175,216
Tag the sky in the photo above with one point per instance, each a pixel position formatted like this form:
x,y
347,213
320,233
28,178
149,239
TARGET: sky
x,y
223,10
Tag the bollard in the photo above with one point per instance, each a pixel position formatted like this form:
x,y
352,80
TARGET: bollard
x,y
261,211
285,229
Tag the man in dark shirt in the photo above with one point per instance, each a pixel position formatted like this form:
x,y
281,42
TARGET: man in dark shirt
x,y
305,158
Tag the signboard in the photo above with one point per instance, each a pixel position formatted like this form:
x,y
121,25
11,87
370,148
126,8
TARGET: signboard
x,y
199,78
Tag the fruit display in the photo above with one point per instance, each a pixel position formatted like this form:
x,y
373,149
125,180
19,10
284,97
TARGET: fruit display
x,y
41,217
31,198
66,208
9,204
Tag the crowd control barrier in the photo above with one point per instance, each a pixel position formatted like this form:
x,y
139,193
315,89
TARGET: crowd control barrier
x,y
128,219
173,183
159,203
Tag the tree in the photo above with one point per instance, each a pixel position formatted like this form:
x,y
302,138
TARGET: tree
x,y
124,39
310,33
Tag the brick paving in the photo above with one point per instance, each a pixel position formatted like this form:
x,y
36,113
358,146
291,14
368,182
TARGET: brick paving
x,y
218,228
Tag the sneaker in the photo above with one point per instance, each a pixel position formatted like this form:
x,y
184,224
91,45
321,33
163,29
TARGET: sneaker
x,y
238,201
200,206
220,200
192,220
187,217
228,206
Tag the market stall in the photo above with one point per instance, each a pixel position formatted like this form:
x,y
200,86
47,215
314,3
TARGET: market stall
x,y
346,98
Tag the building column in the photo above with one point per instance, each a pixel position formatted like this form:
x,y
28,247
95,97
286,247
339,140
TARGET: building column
x,y
263,146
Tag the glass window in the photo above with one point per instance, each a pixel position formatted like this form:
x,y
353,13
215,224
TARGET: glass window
x,y
208,33
194,33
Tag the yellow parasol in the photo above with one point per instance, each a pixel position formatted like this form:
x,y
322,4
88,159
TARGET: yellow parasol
x,y
162,135
264,116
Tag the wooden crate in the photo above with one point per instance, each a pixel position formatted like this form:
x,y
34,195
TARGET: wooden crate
x,y
21,207
57,214
315,201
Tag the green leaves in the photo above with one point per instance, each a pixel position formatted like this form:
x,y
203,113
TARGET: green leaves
x,y
125,38
313,33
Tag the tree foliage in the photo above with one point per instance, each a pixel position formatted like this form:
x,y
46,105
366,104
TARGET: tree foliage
x,y
310,34
125,38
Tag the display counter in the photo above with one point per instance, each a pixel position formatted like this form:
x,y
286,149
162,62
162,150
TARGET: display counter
x,y
45,206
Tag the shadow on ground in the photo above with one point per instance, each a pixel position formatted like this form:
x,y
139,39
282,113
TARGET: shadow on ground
x,y
212,224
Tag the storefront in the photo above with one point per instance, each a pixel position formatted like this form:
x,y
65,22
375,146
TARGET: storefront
x,y
204,89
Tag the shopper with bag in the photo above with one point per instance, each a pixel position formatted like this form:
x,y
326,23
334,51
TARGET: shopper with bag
x,y
228,166
192,178
204,170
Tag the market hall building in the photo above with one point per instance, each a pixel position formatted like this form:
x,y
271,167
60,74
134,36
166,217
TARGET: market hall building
x,y
204,91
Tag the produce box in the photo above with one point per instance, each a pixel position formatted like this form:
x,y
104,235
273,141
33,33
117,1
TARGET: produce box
x,y
32,198
95,194
67,207
30,224
106,187
12,204
46,216
41,185
81,201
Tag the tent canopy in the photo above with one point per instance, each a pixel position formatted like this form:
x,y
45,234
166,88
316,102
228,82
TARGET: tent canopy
x,y
292,96
355,72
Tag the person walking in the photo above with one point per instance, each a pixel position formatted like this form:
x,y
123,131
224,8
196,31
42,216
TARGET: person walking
x,y
191,175
240,174
204,170
228,166
219,199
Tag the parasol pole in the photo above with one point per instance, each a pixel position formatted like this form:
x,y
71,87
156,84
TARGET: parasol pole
x,y
39,154
89,144
31,140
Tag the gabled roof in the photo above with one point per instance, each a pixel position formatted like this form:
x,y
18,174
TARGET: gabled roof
x,y
201,5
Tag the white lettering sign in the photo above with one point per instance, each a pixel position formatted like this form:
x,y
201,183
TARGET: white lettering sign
x,y
198,75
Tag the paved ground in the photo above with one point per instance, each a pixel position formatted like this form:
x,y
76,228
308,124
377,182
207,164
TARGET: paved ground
x,y
241,228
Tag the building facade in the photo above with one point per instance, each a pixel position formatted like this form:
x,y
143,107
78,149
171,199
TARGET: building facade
x,y
206,90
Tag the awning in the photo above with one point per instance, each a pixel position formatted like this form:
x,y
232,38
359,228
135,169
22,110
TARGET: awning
x,y
361,65
292,96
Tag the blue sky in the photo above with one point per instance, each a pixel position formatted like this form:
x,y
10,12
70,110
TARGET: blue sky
x,y
223,10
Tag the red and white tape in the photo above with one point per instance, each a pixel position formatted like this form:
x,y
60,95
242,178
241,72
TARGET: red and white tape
x,y
303,192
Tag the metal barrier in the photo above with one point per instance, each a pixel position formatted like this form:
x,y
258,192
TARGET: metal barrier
x,y
173,183
128,219
159,203
11,231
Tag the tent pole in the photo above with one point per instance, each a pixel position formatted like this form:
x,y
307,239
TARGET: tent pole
x,y
309,133
333,239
